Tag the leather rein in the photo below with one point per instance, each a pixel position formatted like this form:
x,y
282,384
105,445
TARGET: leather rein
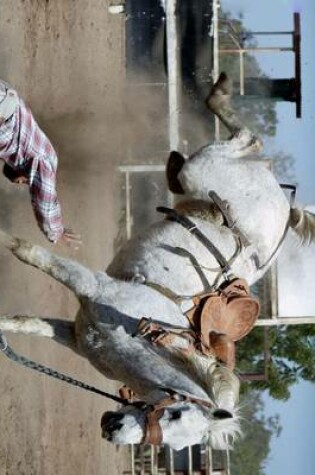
x,y
153,413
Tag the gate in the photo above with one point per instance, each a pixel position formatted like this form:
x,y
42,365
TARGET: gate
x,y
195,460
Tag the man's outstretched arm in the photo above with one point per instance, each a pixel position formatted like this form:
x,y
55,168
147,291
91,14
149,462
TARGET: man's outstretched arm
x,y
45,202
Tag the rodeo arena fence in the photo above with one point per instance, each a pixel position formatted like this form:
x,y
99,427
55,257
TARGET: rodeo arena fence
x,y
225,39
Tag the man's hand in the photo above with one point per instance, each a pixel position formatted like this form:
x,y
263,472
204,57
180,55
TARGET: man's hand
x,y
70,238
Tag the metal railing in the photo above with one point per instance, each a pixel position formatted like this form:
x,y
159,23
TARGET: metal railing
x,y
197,460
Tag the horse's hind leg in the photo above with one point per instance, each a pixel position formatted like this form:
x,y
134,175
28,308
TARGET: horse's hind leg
x,y
218,102
72,274
61,331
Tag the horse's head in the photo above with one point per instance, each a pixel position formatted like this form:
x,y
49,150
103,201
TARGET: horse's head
x,y
180,423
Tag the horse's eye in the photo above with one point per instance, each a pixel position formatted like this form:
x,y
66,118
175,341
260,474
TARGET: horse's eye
x,y
175,415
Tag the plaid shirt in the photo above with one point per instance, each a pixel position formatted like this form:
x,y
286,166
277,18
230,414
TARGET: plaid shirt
x,y
25,148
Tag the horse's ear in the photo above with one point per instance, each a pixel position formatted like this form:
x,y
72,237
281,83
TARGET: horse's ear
x,y
174,165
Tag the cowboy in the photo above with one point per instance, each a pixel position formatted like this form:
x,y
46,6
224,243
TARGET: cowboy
x,y
30,159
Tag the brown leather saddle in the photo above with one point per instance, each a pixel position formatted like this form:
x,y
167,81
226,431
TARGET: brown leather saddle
x,y
223,317
218,319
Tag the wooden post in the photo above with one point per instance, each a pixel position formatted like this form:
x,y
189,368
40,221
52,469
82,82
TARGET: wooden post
x,y
173,73
215,73
278,320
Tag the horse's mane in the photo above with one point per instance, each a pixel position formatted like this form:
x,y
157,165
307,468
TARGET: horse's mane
x,y
222,386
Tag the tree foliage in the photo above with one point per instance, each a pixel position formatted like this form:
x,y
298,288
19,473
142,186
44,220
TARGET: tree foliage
x,y
259,112
290,357
250,454
283,166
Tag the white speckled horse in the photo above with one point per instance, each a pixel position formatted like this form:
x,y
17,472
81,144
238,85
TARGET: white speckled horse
x,y
154,273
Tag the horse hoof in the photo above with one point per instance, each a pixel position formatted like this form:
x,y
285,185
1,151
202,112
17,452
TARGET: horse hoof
x,y
220,93
110,424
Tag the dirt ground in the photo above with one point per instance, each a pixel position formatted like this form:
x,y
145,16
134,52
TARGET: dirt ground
x,y
67,60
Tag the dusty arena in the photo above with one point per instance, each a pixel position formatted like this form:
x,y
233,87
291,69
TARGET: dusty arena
x,y
67,60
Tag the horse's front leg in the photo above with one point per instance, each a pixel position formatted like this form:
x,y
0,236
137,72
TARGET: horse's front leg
x,y
218,101
72,274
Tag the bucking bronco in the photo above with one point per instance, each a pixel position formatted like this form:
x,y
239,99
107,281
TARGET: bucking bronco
x,y
164,316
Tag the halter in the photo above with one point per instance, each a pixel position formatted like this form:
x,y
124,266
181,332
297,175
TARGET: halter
x,y
153,433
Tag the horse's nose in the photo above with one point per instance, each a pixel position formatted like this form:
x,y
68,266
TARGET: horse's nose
x,y
222,414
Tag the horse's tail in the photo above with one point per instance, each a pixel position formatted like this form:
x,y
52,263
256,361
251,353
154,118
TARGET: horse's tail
x,y
303,224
